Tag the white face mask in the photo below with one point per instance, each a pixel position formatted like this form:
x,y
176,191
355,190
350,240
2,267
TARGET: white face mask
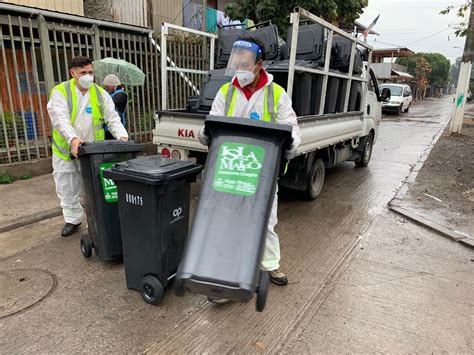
x,y
245,77
86,81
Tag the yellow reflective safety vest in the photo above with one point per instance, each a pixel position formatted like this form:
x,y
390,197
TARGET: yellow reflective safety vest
x,y
61,148
271,96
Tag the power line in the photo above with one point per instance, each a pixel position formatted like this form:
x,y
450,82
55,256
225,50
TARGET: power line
x,y
432,35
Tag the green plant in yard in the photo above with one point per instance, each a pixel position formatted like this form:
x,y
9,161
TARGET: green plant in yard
x,y
6,178
25,177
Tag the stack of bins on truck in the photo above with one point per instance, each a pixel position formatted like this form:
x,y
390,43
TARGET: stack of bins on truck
x,y
310,51
341,60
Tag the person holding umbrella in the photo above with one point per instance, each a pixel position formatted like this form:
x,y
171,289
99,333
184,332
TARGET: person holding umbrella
x,y
112,85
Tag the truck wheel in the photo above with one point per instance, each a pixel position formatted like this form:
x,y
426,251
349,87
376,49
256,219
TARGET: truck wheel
x,y
407,109
400,110
151,290
316,180
366,153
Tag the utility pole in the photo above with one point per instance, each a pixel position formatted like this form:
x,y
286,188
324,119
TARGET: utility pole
x,y
464,78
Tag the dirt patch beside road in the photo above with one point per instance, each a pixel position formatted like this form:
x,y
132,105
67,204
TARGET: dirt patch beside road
x,y
444,188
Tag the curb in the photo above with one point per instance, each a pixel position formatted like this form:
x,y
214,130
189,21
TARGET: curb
x,y
447,233
33,218
403,190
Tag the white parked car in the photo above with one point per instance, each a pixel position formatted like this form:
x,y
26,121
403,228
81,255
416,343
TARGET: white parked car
x,y
400,99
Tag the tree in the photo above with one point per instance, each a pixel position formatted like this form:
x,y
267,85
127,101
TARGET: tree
x,y
462,11
422,71
344,11
439,64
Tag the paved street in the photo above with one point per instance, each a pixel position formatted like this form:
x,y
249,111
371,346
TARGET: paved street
x,y
361,278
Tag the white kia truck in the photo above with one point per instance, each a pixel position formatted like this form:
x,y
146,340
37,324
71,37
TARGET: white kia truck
x,y
326,71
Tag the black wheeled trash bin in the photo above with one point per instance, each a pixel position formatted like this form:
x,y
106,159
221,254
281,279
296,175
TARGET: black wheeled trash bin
x,y
100,195
154,198
225,246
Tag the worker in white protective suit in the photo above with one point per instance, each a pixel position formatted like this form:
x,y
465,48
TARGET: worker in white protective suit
x,y
252,94
78,110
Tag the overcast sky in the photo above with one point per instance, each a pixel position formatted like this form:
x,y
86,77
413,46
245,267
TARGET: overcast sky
x,y
404,22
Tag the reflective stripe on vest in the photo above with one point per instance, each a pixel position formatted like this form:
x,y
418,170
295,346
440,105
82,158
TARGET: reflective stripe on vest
x,y
60,146
271,94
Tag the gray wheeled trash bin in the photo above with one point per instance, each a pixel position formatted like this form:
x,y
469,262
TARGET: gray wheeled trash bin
x,y
100,194
225,247
154,197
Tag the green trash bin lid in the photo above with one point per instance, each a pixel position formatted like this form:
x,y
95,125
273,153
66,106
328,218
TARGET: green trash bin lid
x,y
109,146
153,170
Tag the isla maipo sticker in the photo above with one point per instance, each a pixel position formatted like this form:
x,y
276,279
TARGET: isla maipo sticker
x,y
108,185
238,168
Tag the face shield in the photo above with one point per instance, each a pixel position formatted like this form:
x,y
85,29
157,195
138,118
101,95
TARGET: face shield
x,y
244,56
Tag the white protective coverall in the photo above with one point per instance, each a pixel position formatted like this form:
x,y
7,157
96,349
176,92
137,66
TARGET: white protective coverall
x,y
286,115
66,174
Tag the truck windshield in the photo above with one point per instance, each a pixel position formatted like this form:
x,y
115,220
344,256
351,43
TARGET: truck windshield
x,y
394,90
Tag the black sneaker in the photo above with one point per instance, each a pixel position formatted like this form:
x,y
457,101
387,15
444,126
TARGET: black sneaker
x,y
69,229
278,278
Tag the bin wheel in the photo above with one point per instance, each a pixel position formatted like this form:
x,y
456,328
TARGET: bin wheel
x,y
316,180
262,291
86,247
151,290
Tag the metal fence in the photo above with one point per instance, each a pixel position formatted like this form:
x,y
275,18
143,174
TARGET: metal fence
x,y
36,48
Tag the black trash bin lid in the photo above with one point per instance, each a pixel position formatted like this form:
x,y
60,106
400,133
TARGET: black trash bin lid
x,y
109,146
153,170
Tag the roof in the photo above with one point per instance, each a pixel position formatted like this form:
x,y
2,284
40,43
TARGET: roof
x,y
392,52
403,74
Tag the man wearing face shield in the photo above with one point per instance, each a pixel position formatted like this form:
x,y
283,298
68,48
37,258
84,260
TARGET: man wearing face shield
x,y
78,110
252,94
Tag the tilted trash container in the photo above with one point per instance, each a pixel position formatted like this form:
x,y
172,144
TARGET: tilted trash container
x,y
154,197
225,246
100,194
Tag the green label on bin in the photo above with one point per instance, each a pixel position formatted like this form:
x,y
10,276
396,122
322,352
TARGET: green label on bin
x,y
238,168
108,185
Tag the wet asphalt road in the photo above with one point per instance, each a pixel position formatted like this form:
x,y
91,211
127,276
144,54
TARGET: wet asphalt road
x,y
90,308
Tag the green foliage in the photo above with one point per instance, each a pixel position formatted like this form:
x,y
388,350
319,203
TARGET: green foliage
x,y
278,11
25,177
461,12
6,178
454,72
439,64
11,120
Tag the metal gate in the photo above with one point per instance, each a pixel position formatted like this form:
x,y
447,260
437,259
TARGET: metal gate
x,y
36,47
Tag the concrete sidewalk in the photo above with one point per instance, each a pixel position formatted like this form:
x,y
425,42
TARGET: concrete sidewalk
x,y
28,201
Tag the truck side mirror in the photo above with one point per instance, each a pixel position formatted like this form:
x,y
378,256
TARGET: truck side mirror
x,y
385,95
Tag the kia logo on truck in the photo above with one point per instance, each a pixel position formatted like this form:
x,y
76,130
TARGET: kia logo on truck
x,y
185,133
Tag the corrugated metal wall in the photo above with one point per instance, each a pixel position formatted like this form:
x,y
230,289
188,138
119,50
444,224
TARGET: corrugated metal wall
x,y
167,11
132,12
68,6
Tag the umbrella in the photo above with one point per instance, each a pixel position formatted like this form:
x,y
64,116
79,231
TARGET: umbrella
x,y
128,73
